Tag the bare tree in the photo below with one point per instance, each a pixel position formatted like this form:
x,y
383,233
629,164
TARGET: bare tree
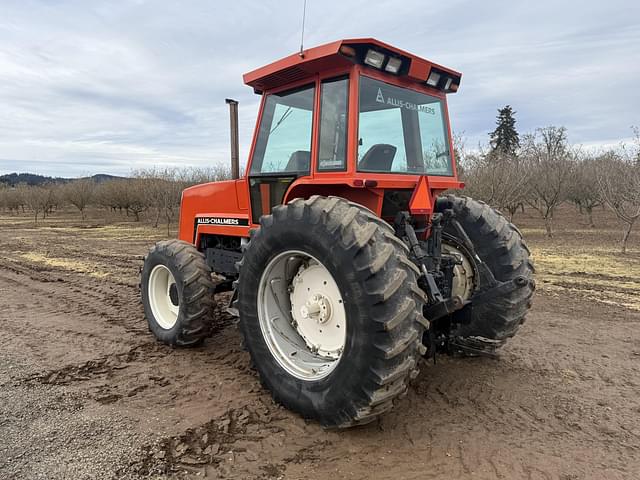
x,y
79,193
195,176
129,196
107,195
123,194
10,198
583,189
162,190
619,186
551,166
500,179
39,199
153,194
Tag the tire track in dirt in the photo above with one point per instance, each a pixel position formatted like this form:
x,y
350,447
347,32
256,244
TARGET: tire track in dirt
x,y
80,294
90,369
101,376
38,322
220,447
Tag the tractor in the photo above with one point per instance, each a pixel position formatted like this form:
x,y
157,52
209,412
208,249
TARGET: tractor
x,y
349,257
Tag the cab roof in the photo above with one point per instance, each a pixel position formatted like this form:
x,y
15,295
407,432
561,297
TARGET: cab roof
x,y
342,53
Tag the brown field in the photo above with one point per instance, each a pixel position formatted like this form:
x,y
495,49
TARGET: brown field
x,y
86,392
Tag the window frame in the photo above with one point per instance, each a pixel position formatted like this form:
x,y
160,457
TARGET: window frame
x,y
307,83
321,81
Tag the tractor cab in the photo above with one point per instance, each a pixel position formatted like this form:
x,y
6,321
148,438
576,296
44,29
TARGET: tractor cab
x,y
354,113
355,118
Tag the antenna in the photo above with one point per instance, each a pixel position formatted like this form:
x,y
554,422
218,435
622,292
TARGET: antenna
x,y
304,12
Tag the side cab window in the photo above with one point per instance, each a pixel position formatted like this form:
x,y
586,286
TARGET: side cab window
x,y
284,139
334,99
283,148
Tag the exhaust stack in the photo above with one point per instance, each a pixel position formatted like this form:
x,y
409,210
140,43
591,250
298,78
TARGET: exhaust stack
x,y
235,153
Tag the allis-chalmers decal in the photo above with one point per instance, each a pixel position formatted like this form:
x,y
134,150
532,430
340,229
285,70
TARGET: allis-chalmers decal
x,y
230,222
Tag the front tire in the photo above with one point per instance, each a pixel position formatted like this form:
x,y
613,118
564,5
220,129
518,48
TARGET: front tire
x,y
308,244
177,293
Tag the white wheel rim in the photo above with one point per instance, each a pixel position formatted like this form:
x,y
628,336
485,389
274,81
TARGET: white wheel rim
x,y
302,315
165,311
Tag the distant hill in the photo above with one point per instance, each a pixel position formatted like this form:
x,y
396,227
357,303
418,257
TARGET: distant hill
x,y
33,179
103,177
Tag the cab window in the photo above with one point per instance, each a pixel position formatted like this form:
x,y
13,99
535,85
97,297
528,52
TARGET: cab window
x,y
284,139
401,131
332,153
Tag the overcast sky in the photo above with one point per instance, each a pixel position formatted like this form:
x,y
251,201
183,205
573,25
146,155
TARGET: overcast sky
x,y
103,87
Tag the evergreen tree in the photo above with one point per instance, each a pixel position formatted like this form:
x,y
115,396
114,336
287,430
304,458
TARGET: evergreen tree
x,y
505,139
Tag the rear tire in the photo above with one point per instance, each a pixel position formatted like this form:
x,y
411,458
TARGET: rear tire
x,y
177,293
382,303
499,244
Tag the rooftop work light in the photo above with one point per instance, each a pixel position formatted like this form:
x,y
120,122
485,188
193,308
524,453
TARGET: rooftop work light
x,y
373,58
393,65
434,78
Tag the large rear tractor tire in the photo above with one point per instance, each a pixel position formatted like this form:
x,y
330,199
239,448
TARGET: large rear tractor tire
x,y
330,310
486,324
177,293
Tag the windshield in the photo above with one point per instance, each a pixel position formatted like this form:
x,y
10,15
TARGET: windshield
x,y
401,131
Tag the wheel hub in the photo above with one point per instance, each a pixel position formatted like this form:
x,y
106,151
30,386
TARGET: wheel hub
x,y
463,284
317,308
313,296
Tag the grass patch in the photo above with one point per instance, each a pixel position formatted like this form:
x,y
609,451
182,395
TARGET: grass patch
x,y
65,264
598,274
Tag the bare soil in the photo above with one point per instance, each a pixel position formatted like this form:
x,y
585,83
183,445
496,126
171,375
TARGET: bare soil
x,y
86,391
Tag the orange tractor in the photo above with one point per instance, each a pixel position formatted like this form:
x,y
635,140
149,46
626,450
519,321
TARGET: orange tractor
x,y
347,261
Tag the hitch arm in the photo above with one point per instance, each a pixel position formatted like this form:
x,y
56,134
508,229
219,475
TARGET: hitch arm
x,y
405,230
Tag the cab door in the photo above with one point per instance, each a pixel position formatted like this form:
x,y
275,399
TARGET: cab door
x,y
282,151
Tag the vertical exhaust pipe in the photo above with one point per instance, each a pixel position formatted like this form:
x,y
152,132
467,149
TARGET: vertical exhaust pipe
x,y
235,147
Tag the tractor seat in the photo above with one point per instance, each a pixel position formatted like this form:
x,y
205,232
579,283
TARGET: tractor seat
x,y
299,161
378,158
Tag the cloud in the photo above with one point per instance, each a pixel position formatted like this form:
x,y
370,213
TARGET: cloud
x,y
88,87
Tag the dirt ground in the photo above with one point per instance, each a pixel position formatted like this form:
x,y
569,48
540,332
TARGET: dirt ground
x,y
86,392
